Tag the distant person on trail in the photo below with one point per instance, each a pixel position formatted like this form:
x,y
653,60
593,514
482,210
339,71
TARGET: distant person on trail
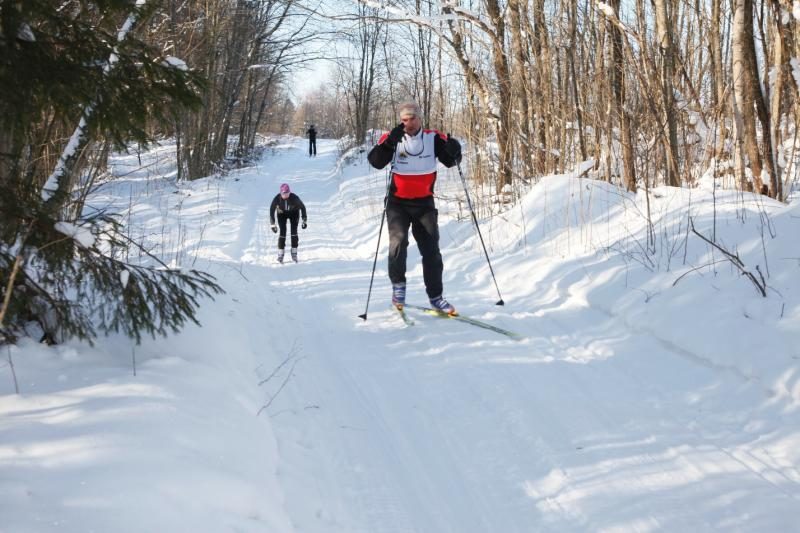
x,y
289,207
413,152
312,141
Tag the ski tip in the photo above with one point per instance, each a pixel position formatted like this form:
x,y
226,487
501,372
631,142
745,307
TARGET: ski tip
x,y
500,302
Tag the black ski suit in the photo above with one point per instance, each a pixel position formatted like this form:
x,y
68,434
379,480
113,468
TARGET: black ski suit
x,y
418,211
312,141
291,209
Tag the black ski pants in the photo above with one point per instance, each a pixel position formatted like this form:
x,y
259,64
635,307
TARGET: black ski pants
x,y
423,218
312,147
294,218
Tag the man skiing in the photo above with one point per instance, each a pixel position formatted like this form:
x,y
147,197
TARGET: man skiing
x,y
413,152
289,207
312,141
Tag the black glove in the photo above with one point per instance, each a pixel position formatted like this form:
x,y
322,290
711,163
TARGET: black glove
x,y
304,225
396,135
274,228
453,148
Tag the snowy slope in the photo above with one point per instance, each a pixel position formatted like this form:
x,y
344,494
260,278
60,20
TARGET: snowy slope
x,y
651,392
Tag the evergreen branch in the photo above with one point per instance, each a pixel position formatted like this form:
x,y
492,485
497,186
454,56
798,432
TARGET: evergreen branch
x,y
55,187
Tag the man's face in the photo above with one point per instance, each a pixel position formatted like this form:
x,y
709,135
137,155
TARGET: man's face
x,y
412,123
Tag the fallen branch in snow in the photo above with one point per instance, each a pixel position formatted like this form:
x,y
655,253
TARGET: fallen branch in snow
x,y
760,284
695,269
13,372
291,357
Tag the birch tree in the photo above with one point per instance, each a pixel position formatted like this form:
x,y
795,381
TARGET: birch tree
x,y
749,101
618,97
666,49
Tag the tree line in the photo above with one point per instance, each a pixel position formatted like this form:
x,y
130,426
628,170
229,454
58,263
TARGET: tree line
x,y
654,91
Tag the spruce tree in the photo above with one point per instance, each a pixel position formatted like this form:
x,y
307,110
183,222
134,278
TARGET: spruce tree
x,y
59,266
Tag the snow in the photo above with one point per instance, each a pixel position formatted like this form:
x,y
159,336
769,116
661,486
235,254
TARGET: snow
x,y
82,236
404,14
51,185
795,64
176,63
124,277
607,10
651,392
25,33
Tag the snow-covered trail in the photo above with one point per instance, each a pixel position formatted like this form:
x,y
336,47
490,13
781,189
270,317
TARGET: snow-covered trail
x,y
631,404
586,425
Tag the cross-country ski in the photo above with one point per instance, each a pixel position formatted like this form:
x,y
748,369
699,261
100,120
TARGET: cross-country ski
x,y
467,320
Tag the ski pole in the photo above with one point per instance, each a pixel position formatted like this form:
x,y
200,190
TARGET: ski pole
x,y
380,232
477,227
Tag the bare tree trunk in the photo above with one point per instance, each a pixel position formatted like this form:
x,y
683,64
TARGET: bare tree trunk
x,y
425,69
475,132
717,76
520,88
747,91
501,71
440,94
784,95
573,43
618,88
603,119
477,88
541,89
664,28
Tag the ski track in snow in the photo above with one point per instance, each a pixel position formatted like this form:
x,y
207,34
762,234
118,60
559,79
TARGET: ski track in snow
x,y
441,427
589,424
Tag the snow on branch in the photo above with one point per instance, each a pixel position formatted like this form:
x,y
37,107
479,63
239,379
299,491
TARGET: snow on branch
x,y
79,137
795,63
606,9
609,13
81,235
174,62
451,13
